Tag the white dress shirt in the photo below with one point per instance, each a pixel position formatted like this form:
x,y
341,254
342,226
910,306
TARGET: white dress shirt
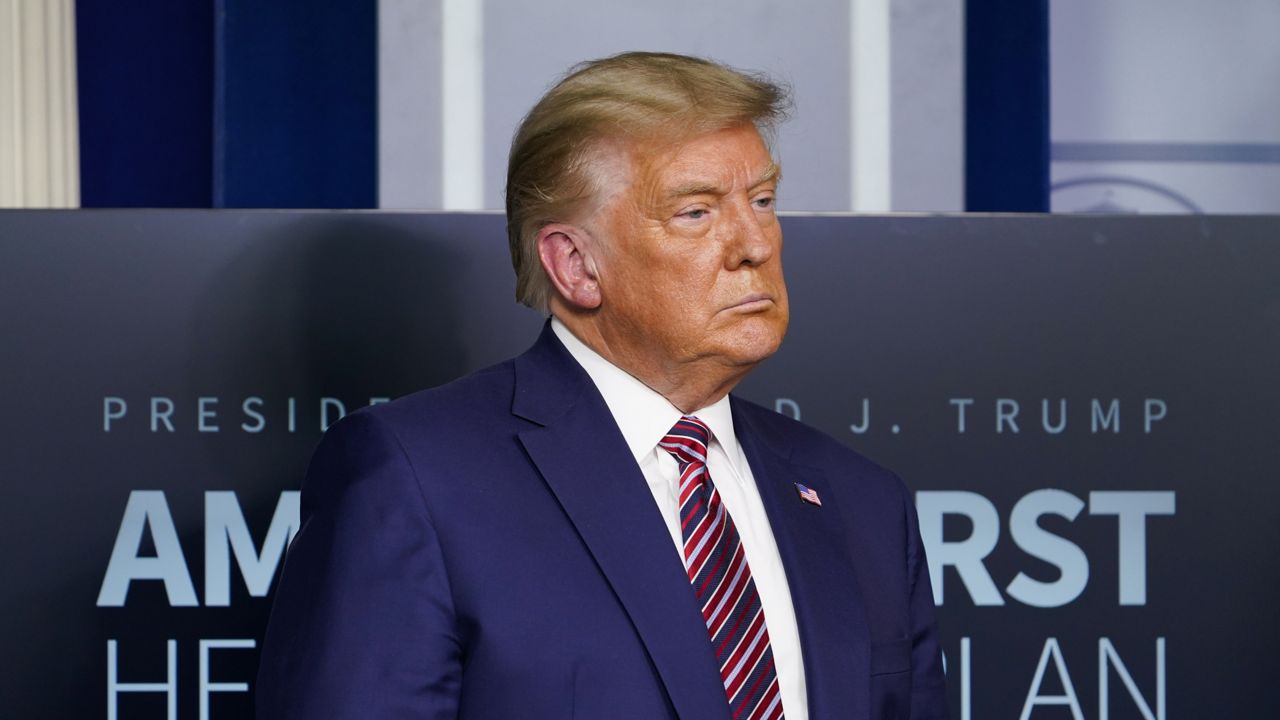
x,y
645,417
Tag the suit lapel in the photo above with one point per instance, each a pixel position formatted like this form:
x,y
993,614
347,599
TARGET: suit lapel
x,y
813,544
586,462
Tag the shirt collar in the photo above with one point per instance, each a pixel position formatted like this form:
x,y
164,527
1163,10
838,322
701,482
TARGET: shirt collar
x,y
643,416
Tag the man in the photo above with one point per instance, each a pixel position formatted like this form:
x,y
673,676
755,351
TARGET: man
x,y
595,529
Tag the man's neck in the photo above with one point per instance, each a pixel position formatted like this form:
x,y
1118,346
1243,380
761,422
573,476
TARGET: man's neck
x,y
687,386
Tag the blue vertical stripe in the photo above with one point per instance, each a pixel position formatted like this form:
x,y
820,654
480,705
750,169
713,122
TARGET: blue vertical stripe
x,y
1007,105
296,104
227,103
144,84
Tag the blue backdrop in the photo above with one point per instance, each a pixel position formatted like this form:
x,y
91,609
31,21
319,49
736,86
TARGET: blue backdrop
x,y
1085,407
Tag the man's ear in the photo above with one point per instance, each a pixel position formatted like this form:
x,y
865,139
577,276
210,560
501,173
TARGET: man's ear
x,y
565,252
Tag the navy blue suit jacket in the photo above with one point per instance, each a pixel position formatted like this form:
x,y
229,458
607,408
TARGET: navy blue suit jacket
x,y
489,549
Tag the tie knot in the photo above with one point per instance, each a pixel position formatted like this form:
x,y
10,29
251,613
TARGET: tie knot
x,y
687,441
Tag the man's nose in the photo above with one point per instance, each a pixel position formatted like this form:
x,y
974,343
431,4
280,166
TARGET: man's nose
x,y
751,241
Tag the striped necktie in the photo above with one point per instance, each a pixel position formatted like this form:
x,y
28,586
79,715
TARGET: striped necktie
x,y
717,567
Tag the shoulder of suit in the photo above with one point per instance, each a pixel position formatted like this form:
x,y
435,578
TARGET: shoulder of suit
x,y
478,398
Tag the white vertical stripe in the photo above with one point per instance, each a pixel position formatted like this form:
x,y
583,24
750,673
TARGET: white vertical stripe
x,y
34,105
39,144
70,107
463,104
869,105
56,151
409,117
10,119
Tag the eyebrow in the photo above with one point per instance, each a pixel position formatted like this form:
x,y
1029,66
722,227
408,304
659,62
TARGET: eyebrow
x,y
772,172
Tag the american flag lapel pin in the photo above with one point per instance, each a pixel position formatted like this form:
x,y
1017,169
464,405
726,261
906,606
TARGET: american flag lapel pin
x,y
808,495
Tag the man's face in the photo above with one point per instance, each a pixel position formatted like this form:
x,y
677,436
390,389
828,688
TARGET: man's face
x,y
690,265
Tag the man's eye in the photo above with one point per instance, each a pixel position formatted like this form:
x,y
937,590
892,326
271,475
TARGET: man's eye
x,y
764,203
695,214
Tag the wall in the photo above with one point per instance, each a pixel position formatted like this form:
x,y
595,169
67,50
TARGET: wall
x,y
910,97
1165,106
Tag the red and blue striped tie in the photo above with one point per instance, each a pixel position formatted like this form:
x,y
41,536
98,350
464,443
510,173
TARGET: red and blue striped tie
x,y
717,567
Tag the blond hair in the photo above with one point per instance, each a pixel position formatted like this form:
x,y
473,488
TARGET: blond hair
x,y
631,97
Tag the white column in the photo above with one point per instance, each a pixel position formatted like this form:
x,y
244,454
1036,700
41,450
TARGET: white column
x,y
409,117
39,130
870,100
462,25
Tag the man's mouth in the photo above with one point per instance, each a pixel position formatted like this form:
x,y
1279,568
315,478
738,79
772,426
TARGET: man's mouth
x,y
754,302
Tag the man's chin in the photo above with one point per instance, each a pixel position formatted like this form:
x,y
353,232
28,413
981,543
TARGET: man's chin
x,y
755,345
